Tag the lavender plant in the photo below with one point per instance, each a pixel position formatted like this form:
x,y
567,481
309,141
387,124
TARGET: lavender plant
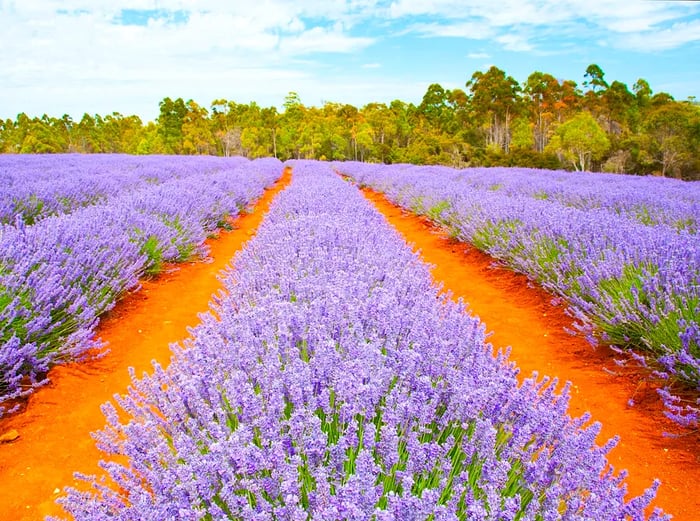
x,y
333,381
59,275
623,251
33,187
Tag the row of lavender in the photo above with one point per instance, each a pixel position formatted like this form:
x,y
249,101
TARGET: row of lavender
x,y
336,383
648,200
39,186
629,282
59,275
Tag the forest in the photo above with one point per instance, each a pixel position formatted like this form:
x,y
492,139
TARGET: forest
x,y
545,122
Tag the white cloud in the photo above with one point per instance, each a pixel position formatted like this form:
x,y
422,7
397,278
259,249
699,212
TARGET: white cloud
x,y
514,42
401,8
627,15
85,41
493,14
77,53
470,30
664,39
618,23
319,39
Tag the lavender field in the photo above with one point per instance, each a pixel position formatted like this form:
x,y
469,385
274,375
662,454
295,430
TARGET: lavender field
x,y
334,381
39,186
623,251
78,232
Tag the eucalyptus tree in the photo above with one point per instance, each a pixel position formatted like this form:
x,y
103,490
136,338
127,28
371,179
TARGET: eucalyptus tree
x,y
381,127
674,138
540,94
619,104
580,141
170,121
435,108
197,134
495,100
291,127
595,78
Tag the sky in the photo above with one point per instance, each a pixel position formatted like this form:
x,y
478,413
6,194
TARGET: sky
x,y
95,56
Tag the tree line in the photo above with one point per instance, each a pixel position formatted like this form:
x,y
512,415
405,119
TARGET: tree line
x,y
544,122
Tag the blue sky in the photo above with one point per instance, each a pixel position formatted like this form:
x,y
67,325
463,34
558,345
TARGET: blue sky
x,y
96,56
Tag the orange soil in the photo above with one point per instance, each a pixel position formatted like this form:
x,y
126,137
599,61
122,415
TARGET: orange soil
x,y
522,316
55,427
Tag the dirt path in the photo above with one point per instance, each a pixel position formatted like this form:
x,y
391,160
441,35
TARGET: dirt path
x,y
522,316
55,428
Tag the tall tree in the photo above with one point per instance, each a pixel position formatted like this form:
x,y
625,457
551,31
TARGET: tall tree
x,y
270,122
219,121
435,107
619,104
381,123
541,95
495,98
568,100
580,141
170,121
593,97
197,136
674,132
595,78
642,92
291,127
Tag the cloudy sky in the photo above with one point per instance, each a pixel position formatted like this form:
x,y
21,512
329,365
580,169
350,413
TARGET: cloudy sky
x,y
97,56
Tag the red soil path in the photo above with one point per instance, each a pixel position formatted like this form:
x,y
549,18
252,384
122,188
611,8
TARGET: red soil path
x,y
522,316
54,429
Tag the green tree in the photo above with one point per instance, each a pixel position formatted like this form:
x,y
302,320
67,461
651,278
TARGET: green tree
x,y
642,93
219,124
170,121
15,131
495,99
619,105
381,128
151,141
460,116
350,120
674,137
595,78
580,141
291,127
435,107
85,135
541,93
593,97
197,137
45,135
522,134
270,122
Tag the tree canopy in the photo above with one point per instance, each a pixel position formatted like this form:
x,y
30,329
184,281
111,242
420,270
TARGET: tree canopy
x,y
543,122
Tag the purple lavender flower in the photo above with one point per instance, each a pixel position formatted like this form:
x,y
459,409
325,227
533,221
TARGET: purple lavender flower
x,y
60,274
333,381
622,251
